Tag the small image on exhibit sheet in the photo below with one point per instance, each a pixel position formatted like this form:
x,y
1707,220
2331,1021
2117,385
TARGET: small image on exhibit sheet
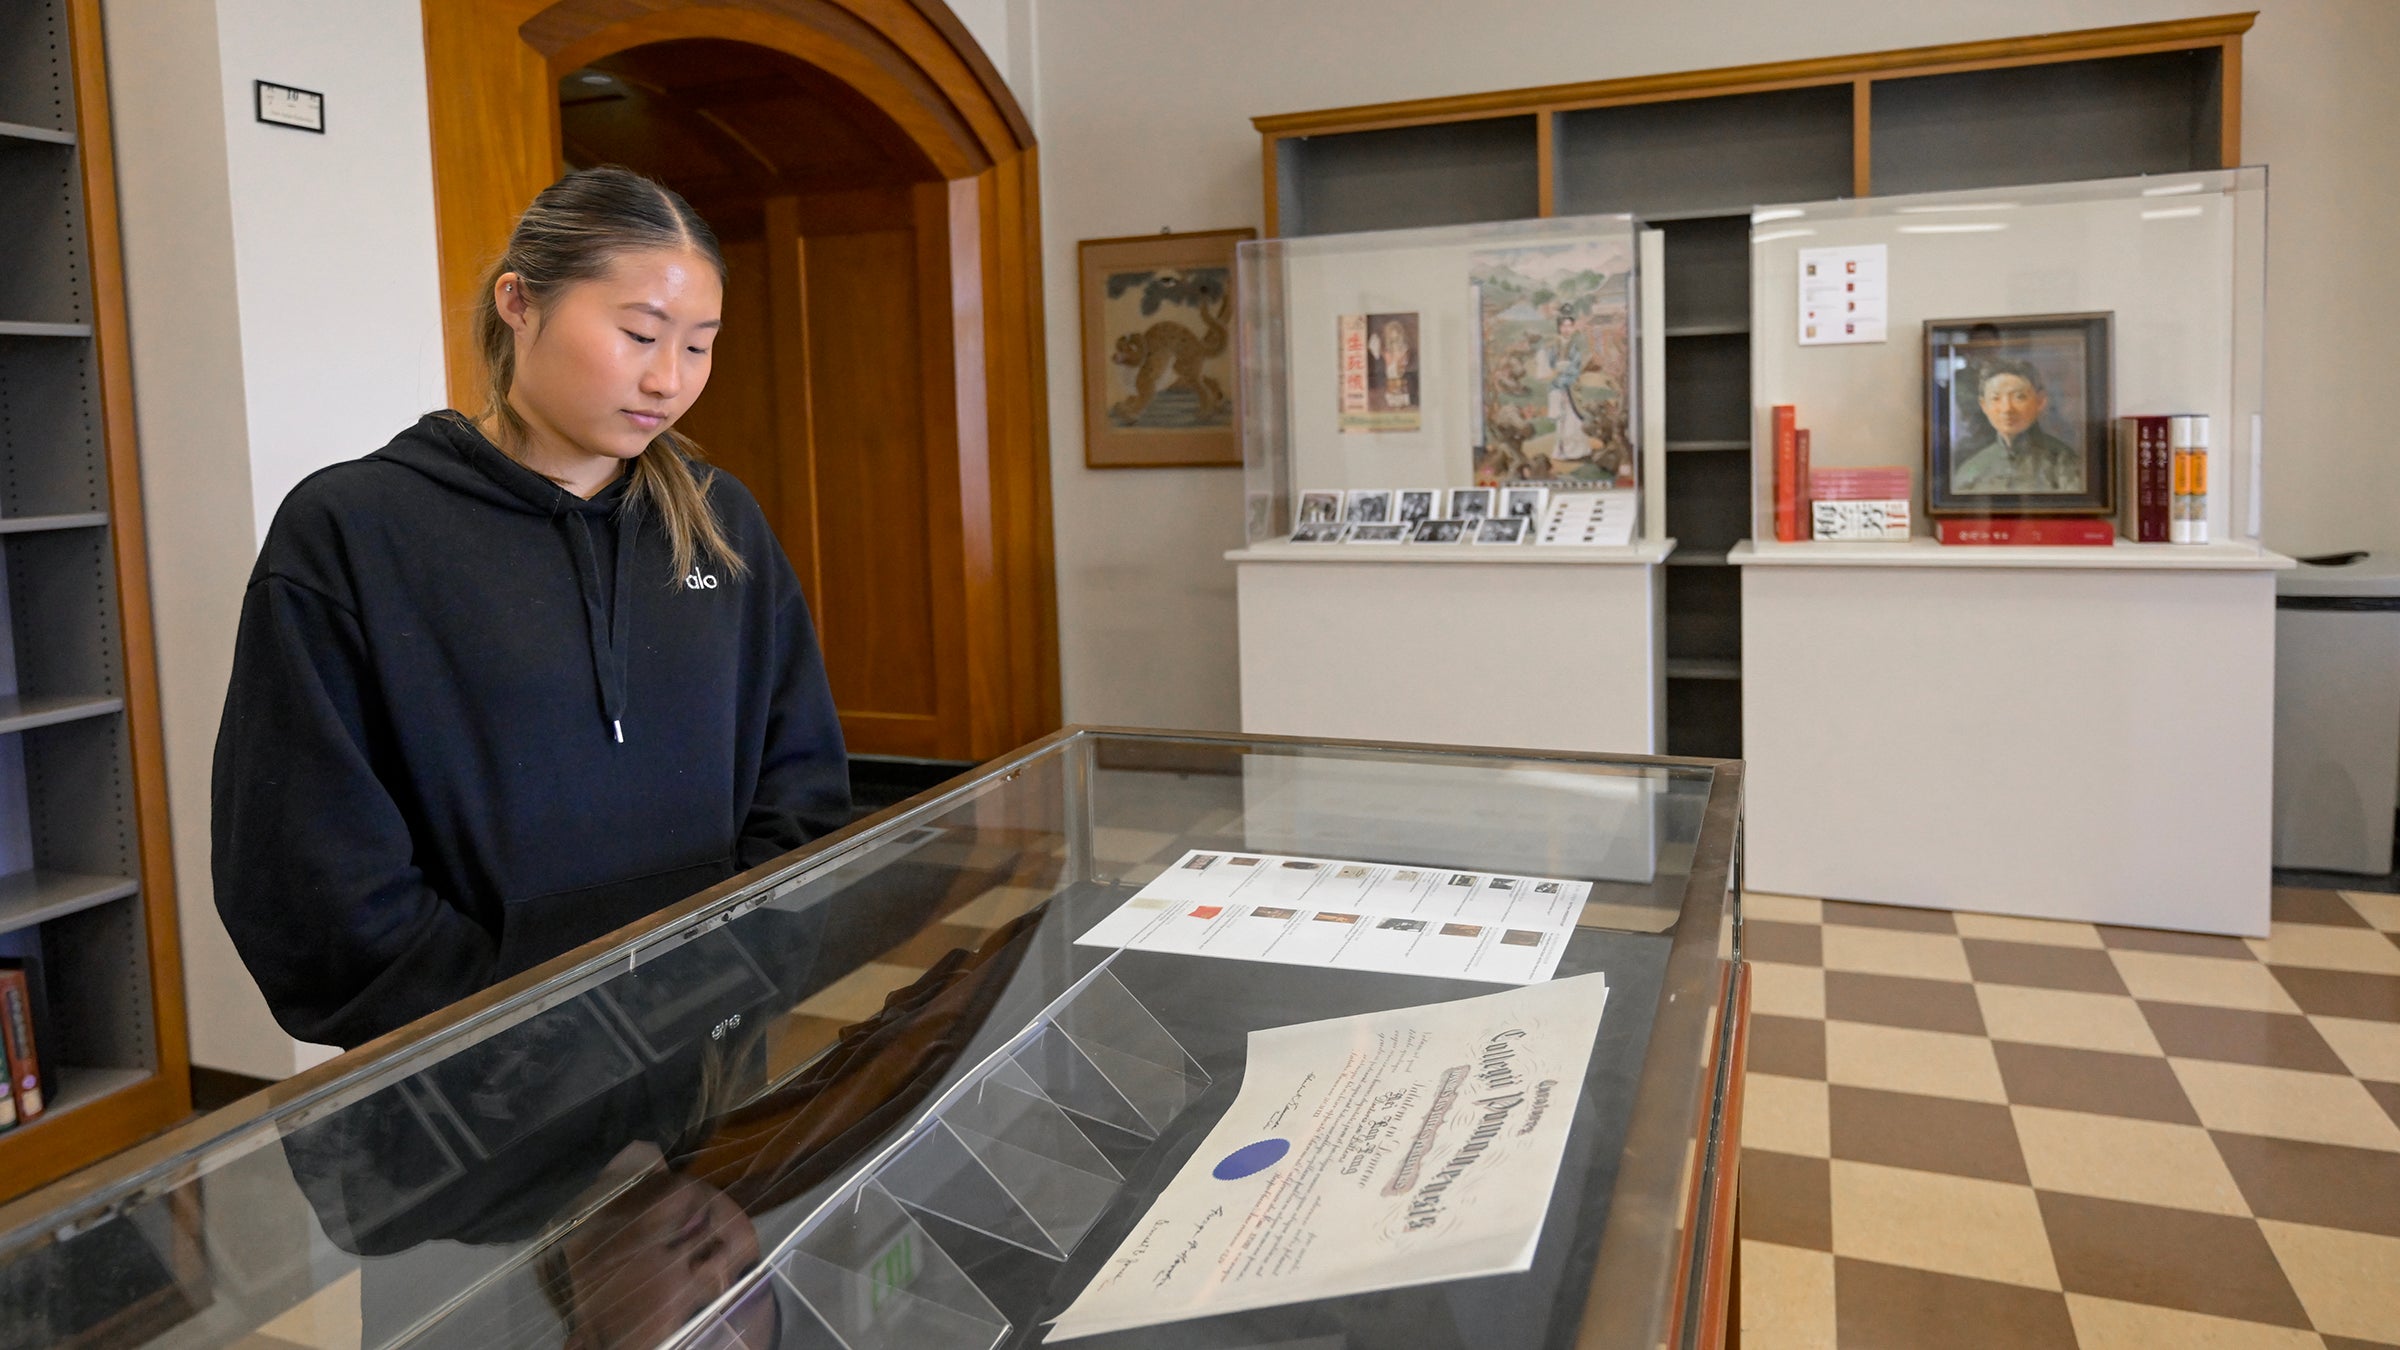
x,y
1396,1148
1351,916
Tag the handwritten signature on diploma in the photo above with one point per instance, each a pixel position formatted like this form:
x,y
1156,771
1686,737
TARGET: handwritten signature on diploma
x,y
1288,1107
1160,1280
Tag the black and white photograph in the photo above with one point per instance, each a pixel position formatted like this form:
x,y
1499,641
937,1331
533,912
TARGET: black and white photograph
x,y
1471,503
1369,506
1440,531
670,1001
1321,532
1415,504
1524,503
1501,530
1392,532
1319,507
521,1079
2017,416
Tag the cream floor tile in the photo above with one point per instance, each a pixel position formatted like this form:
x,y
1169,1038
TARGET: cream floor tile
x,y
2325,947
999,905
2065,1017
1782,908
1899,1059
1122,847
2106,1324
2383,911
2348,1282
1985,1230
858,995
2371,1049
1787,1115
2321,1108
1893,951
2207,980
1787,991
1787,1297
2011,928
2115,1158
326,1320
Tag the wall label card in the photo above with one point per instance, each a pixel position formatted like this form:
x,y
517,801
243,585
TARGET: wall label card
x,y
1602,519
1398,920
1397,1148
1844,295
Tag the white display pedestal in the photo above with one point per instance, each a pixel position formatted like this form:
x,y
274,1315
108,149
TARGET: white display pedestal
x,y
1521,646
2053,732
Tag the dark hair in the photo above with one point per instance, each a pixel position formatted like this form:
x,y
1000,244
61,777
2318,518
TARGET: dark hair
x,y
574,231
2023,370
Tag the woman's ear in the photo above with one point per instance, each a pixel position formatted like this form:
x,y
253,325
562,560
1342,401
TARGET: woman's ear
x,y
508,293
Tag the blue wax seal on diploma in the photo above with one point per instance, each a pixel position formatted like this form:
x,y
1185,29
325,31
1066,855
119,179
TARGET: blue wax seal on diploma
x,y
1251,1159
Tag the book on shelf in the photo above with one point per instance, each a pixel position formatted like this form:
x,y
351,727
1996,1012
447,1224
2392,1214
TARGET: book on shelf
x,y
22,951
16,1037
2081,531
1801,496
1787,473
2145,479
1883,520
2187,439
1860,485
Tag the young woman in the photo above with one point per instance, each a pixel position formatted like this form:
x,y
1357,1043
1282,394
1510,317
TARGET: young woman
x,y
516,680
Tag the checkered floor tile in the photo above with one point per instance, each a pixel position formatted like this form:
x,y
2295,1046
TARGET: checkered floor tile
x,y
1965,1130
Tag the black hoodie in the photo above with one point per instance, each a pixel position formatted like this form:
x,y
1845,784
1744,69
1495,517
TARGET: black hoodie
x,y
475,721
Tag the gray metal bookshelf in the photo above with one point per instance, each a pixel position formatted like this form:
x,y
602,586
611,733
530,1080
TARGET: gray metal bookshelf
x,y
1691,155
73,903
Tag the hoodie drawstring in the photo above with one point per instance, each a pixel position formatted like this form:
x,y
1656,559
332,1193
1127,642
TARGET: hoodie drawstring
x,y
610,638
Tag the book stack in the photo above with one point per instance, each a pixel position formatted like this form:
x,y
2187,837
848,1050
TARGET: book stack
x,y
2162,478
2187,442
1856,504
1791,475
2088,531
23,1097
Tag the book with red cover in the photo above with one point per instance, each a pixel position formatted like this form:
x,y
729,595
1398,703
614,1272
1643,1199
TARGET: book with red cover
x,y
1787,473
2145,479
1801,496
2089,531
16,1037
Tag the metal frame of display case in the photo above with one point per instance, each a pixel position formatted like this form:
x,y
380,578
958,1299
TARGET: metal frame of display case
x,y
1681,1151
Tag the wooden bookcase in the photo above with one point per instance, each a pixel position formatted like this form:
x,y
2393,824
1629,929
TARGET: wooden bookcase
x,y
86,887
1691,153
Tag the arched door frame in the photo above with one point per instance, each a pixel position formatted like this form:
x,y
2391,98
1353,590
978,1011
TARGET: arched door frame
x,y
492,72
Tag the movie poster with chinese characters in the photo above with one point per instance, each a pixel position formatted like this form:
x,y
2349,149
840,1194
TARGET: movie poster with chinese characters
x,y
1380,364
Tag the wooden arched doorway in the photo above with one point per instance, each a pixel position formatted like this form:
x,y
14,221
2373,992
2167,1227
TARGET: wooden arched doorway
x,y
951,654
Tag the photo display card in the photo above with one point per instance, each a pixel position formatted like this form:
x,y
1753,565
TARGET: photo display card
x,y
1351,915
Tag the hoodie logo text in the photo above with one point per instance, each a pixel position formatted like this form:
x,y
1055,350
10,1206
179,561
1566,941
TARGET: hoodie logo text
x,y
698,582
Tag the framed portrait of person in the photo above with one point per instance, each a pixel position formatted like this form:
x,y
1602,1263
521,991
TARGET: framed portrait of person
x,y
2017,416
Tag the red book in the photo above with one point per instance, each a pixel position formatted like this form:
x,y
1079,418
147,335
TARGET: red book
x,y
2145,480
1787,473
1802,525
16,1037
2088,531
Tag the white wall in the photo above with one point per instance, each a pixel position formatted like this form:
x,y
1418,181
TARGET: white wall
x,y
280,289
1144,117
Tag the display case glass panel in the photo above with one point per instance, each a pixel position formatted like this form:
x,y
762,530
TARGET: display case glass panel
x,y
1433,359
877,1093
2087,302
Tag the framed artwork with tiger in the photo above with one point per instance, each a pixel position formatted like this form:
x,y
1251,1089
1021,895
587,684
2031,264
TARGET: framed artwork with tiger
x,y
1158,360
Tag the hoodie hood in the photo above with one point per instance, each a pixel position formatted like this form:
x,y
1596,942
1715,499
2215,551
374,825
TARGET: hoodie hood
x,y
447,448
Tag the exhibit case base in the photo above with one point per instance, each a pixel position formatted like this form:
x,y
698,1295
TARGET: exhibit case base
x,y
2055,738
1541,648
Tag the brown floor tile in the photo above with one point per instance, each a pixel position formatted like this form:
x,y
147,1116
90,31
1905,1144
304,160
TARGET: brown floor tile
x,y
1791,1046
2180,944
1787,1199
1898,1001
2388,1095
1890,916
2042,967
1785,944
2239,1036
2294,904
2173,1258
2093,1080
932,944
1930,1134
2342,993
2324,1184
1880,1307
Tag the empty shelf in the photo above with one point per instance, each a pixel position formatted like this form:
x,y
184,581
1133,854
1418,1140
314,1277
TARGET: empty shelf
x,y
28,898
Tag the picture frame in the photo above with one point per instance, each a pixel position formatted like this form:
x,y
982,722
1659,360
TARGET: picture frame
x,y
1441,530
1159,367
1415,504
1470,503
1321,532
1529,503
1500,530
2018,415
1392,532
1368,506
1317,508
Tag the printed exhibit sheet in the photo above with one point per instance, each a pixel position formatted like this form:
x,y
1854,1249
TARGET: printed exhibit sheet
x,y
1363,1153
1351,916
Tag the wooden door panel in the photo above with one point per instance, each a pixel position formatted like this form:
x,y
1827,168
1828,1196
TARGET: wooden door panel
x,y
734,418
867,430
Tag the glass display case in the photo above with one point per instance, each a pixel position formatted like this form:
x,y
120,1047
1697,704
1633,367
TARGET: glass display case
x,y
877,1093
2013,351
1427,363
